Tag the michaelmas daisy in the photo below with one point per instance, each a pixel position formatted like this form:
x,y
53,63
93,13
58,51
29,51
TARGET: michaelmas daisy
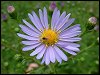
x,y
48,41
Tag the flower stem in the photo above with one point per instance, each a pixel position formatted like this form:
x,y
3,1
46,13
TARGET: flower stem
x,y
87,47
52,68
84,49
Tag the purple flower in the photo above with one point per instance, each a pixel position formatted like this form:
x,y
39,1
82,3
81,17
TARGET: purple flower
x,y
62,4
4,17
47,41
52,6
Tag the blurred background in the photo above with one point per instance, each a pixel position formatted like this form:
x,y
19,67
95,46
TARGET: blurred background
x,y
14,60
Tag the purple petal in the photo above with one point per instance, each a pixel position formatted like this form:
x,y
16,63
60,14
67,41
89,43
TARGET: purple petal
x,y
29,42
31,27
27,37
53,17
30,47
69,51
64,44
37,50
70,34
28,31
75,39
45,18
41,17
63,22
60,53
72,48
39,56
71,29
60,19
67,24
57,57
37,20
47,57
43,60
52,55
33,21
56,18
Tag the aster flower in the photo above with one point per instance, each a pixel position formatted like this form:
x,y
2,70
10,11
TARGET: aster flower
x,y
50,41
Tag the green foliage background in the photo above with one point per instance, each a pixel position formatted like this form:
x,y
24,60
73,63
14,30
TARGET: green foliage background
x,y
14,60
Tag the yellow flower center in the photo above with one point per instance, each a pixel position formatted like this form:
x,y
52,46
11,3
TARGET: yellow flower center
x,y
49,37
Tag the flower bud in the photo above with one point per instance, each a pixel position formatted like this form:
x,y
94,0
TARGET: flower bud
x,y
12,12
4,17
62,4
10,9
96,28
52,6
92,20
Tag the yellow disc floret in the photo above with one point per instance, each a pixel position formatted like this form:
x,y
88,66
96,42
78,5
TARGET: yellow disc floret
x,y
49,37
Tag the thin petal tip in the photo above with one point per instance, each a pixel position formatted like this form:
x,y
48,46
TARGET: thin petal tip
x,y
23,20
69,14
44,7
31,55
20,25
29,14
23,49
40,10
18,34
